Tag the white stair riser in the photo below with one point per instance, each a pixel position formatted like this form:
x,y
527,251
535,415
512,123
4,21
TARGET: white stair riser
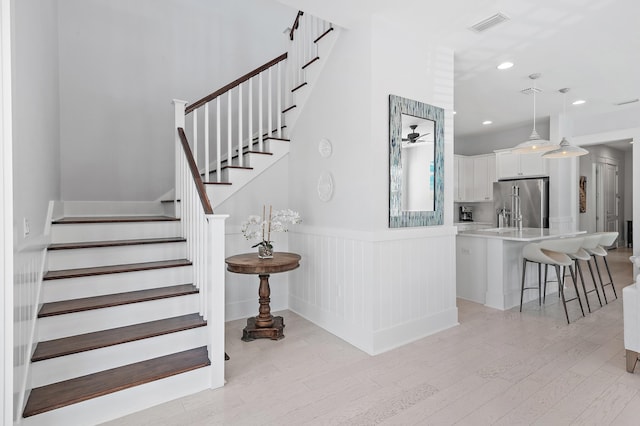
x,y
71,232
103,256
128,401
83,363
58,326
99,285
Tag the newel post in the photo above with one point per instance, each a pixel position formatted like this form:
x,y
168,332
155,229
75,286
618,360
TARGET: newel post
x,y
215,239
179,120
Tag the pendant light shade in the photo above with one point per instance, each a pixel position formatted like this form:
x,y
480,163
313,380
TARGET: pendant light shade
x,y
535,143
565,149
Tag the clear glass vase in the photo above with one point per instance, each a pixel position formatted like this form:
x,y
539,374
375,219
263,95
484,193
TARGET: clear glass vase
x,y
265,251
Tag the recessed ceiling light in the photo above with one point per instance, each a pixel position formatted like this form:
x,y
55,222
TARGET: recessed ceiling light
x,y
579,102
487,122
505,65
454,112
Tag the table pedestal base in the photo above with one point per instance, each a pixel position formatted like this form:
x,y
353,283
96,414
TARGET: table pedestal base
x,y
251,332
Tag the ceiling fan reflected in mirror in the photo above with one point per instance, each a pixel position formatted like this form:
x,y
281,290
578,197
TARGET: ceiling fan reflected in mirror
x,y
414,136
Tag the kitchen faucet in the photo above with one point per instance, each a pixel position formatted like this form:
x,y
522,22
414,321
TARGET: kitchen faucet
x,y
516,212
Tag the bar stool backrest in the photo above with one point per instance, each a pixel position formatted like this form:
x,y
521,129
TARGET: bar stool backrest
x,y
607,238
562,245
591,241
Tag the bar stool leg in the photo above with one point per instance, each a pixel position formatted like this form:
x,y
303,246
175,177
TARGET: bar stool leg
x,y
524,270
584,288
606,264
595,285
539,284
544,297
575,285
595,260
561,291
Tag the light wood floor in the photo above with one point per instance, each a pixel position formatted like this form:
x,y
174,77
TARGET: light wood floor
x,y
502,368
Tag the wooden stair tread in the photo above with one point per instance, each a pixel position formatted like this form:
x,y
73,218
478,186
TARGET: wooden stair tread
x,y
114,269
116,243
288,109
61,394
323,35
113,219
118,299
115,336
238,167
317,58
299,86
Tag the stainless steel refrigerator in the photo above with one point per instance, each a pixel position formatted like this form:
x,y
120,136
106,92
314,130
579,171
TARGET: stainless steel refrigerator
x,y
529,196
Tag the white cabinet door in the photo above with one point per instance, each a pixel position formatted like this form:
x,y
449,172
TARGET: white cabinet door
x,y
508,164
457,184
533,165
480,176
483,177
467,173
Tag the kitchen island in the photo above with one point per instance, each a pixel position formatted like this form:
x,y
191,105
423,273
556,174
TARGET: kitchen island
x,y
489,265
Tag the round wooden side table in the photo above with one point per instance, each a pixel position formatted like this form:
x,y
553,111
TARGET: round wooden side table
x,y
264,325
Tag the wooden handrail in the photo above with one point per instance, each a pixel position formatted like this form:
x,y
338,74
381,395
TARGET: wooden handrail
x,y
234,83
195,173
295,25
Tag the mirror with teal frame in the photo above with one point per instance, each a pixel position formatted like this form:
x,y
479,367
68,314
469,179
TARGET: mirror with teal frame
x,y
416,163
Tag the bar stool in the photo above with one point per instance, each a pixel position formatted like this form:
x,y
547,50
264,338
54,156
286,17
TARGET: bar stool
x,y
606,239
552,253
590,242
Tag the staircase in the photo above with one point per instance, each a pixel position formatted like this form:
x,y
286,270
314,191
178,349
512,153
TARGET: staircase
x,y
132,305
242,129
120,327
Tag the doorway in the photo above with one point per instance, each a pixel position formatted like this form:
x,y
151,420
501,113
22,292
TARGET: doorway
x,y
607,197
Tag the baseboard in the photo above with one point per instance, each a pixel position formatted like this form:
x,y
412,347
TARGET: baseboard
x,y
351,333
402,334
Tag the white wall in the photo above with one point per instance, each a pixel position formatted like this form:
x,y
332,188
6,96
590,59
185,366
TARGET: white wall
x,y
375,287
121,64
36,131
6,215
36,165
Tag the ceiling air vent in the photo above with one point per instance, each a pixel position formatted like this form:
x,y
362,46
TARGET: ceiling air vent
x,y
490,22
627,102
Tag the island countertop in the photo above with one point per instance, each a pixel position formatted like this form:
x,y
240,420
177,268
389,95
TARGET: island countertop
x,y
515,234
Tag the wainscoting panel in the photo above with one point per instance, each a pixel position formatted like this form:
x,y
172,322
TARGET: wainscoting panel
x,y
333,286
376,295
415,289
27,279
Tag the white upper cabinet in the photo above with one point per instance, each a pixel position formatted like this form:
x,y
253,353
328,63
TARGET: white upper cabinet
x,y
474,177
484,173
512,165
462,167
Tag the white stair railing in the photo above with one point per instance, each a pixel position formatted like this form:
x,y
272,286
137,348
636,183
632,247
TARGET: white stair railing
x,y
306,31
243,111
205,235
249,109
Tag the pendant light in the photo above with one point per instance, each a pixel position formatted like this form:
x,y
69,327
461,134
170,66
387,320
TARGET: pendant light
x,y
535,143
565,149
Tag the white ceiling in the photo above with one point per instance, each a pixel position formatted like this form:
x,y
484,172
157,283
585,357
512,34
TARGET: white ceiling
x,y
590,46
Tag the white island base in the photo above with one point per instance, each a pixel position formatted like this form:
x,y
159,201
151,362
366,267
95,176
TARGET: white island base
x,y
489,266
